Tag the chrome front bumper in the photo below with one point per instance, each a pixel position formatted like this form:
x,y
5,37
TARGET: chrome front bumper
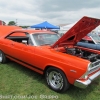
x,y
84,84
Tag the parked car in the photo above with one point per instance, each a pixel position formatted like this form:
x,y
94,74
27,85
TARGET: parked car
x,y
91,41
60,60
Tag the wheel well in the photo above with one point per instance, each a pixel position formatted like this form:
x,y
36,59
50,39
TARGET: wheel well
x,y
53,67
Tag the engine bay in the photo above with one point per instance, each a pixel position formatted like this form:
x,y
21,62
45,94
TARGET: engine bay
x,y
92,57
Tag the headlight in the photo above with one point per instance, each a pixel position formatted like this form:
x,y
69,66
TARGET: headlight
x,y
89,66
85,75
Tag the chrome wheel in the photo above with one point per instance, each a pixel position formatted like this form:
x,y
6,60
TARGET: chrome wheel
x,y
1,56
55,79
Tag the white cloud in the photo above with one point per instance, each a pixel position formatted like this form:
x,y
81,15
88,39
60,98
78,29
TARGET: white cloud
x,y
30,12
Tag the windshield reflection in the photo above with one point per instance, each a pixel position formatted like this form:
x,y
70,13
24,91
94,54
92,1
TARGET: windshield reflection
x,y
96,38
45,38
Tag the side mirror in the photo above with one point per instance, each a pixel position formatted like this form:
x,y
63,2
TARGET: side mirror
x,y
24,42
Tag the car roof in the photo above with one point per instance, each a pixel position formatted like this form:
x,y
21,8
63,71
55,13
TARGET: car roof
x,y
7,29
32,31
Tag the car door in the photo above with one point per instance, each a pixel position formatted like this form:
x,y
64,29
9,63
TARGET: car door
x,y
15,48
21,52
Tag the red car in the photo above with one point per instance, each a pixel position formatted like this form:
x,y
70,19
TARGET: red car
x,y
60,60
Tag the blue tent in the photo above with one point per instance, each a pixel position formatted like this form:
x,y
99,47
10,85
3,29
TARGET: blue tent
x,y
45,25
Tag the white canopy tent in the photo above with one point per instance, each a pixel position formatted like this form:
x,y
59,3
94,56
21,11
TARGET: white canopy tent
x,y
65,28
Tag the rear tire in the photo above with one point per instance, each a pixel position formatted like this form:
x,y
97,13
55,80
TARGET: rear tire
x,y
3,58
56,80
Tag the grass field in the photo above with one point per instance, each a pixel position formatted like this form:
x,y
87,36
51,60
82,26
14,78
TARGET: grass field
x,y
20,83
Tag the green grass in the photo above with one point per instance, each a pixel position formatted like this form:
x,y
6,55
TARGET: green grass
x,y
20,83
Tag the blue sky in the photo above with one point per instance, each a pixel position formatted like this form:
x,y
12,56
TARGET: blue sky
x,y
30,12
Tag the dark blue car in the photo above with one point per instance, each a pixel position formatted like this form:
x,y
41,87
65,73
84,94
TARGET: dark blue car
x,y
91,41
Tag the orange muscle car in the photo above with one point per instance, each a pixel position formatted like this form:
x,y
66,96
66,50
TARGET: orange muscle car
x,y
60,60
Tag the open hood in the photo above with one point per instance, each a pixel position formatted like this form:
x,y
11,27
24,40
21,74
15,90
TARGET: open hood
x,y
78,31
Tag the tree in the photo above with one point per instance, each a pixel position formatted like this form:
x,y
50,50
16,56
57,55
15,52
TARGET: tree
x,y
12,23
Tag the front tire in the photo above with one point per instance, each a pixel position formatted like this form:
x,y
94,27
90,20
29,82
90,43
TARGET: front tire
x,y
56,80
3,58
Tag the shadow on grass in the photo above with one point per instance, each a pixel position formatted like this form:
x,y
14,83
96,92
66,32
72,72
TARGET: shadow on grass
x,y
26,71
73,92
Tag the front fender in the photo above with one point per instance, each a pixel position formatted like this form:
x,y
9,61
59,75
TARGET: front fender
x,y
73,69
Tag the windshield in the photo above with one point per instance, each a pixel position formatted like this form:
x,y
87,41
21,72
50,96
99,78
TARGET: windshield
x,y
96,38
45,38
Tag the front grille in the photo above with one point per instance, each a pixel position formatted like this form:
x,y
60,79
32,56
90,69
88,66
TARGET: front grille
x,y
96,63
95,66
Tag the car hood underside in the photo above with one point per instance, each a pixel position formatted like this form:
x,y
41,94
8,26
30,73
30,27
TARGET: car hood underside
x,y
84,26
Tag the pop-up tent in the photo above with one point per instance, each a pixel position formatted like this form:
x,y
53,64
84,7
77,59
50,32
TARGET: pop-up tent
x,y
65,28
45,25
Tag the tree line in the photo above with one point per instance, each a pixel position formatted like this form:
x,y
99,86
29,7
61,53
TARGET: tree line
x,y
10,23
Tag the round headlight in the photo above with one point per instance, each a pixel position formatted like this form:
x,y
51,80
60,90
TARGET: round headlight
x,y
89,66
